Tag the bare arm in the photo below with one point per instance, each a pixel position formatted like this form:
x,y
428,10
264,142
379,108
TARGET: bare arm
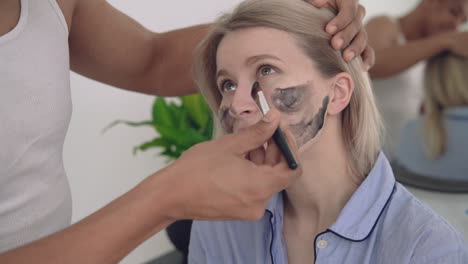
x,y
107,235
393,57
110,47
211,181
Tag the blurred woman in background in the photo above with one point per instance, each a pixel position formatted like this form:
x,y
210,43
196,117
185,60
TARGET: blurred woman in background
x,y
402,46
433,149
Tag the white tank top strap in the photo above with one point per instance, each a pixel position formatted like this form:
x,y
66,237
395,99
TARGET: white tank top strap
x,y
59,14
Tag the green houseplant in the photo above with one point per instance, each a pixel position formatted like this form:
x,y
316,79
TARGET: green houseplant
x,y
179,123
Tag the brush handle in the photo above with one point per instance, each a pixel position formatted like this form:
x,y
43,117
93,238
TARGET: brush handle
x,y
282,144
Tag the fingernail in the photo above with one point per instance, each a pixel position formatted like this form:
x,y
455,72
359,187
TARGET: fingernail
x,y
339,43
332,29
351,55
268,118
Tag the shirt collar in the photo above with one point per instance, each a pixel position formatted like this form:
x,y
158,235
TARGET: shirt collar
x,y
361,213
275,203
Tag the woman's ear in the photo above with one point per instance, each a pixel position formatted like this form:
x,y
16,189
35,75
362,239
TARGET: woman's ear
x,y
341,91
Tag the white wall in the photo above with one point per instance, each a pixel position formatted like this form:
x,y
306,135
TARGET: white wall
x,y
101,166
392,8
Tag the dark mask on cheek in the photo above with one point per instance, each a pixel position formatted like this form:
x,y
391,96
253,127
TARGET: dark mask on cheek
x,y
289,100
310,125
296,101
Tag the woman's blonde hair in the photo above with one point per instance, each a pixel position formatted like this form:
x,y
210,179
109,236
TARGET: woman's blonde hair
x,y
446,85
360,120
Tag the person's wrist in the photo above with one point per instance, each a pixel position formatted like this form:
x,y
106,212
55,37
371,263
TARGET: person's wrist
x,y
168,181
164,195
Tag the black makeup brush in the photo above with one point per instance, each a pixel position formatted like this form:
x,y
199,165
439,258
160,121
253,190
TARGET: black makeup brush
x,y
278,136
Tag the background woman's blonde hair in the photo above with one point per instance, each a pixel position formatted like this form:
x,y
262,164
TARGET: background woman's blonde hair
x,y
360,120
446,85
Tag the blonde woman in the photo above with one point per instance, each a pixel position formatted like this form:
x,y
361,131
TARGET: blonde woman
x,y
433,150
346,206
403,45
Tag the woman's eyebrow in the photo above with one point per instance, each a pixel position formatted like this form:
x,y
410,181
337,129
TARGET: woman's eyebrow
x,y
253,59
249,61
300,86
221,73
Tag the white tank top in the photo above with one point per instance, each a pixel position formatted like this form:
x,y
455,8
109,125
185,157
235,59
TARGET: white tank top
x,y
399,99
35,110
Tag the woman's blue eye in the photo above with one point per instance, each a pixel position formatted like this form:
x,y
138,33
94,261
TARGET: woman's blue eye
x,y
228,86
266,70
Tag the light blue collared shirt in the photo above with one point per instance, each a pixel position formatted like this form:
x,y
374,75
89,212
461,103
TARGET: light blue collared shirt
x,y
381,223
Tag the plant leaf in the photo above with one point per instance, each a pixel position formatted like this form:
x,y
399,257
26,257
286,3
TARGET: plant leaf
x,y
162,113
157,142
181,119
197,109
171,154
129,123
179,138
208,131
180,126
195,136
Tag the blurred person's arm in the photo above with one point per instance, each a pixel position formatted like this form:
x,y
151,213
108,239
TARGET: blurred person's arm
x,y
108,46
393,57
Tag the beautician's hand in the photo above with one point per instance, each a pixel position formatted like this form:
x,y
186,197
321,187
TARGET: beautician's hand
x,y
347,28
214,180
210,181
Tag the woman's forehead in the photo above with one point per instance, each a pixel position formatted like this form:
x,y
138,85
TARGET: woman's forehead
x,y
246,48
242,44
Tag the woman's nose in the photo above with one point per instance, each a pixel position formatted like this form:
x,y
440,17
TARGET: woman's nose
x,y
243,105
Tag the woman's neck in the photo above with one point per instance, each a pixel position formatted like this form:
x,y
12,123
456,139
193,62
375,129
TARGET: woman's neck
x,y
315,200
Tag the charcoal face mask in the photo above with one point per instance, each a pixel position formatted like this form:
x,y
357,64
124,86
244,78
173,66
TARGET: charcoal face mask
x,y
303,118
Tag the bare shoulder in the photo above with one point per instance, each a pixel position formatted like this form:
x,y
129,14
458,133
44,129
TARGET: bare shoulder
x,y
382,30
70,8
384,24
9,15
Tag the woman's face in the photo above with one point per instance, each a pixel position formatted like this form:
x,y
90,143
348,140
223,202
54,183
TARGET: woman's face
x,y
446,15
286,75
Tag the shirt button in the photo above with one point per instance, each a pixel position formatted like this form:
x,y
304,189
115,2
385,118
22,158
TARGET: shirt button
x,y
322,244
